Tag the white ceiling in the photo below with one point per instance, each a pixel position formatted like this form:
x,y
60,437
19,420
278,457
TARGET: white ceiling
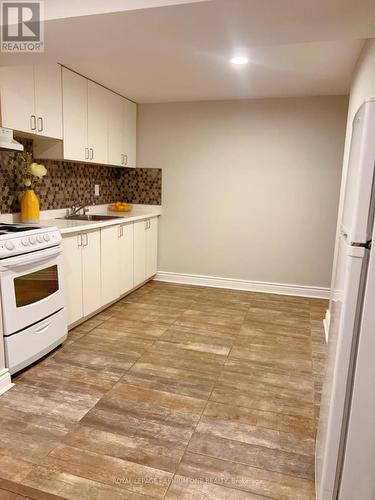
x,y
181,52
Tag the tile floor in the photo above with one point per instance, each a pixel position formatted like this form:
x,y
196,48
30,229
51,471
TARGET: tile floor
x,y
175,392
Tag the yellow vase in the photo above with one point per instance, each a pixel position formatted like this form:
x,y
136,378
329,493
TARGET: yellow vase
x,y
30,207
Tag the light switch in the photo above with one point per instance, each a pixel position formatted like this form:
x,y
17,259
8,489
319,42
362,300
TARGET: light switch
x,y
96,190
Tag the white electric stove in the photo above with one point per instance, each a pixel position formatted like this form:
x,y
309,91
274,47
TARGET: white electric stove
x,y
32,293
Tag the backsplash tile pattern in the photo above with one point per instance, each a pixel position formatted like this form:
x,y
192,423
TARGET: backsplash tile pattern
x,y
142,185
69,183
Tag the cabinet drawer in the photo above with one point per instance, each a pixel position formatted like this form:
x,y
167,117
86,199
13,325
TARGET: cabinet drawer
x,y
34,342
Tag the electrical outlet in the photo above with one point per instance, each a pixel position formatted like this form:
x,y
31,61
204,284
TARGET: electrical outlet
x,y
96,190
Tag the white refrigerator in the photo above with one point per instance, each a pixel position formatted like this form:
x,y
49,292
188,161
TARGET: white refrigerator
x,y
345,452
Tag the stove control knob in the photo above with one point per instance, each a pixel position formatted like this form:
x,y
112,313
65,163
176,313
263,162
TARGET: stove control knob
x,y
39,238
25,242
32,240
9,245
46,237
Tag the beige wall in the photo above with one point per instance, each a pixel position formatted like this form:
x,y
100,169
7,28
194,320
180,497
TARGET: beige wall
x,y
362,87
250,188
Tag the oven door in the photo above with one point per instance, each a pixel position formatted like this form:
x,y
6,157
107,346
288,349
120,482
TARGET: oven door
x,y
31,288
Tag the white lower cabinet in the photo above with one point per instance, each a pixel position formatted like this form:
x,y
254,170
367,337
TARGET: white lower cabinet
x,y
126,258
72,259
145,249
140,251
110,263
116,261
103,264
91,272
152,247
81,254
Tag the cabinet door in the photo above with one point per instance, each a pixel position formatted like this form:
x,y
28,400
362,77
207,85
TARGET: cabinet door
x,y
91,272
72,261
17,98
139,252
110,272
130,133
97,122
126,258
74,116
115,129
48,100
151,248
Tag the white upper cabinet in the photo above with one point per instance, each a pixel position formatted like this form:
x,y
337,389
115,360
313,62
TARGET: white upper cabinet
x,y
97,107
130,134
122,123
48,100
115,129
75,116
31,99
85,106
17,98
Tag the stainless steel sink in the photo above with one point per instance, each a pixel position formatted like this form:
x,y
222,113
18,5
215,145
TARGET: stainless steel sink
x,y
93,217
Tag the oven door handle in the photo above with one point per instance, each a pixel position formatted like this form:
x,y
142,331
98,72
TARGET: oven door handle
x,y
30,258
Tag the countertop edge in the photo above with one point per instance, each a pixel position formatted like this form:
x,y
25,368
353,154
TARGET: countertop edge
x,y
79,226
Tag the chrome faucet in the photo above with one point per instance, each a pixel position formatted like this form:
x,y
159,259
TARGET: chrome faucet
x,y
74,210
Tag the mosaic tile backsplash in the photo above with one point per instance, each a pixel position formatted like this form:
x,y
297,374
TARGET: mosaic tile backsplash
x,y
69,183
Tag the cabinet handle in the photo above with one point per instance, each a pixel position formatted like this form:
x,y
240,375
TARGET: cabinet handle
x,y
87,153
86,242
122,159
119,232
91,153
40,124
33,122
125,159
79,240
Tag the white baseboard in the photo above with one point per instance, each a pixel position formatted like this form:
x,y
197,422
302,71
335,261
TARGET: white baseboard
x,y
326,323
250,286
5,381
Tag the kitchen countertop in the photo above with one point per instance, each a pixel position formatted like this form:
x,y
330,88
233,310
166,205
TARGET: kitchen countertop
x,y
72,226
53,218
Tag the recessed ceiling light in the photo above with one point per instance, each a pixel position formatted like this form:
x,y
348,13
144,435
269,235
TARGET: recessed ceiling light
x,y
239,60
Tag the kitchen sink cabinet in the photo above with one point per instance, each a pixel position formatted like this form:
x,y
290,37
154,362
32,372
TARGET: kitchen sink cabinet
x,y
81,254
31,99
